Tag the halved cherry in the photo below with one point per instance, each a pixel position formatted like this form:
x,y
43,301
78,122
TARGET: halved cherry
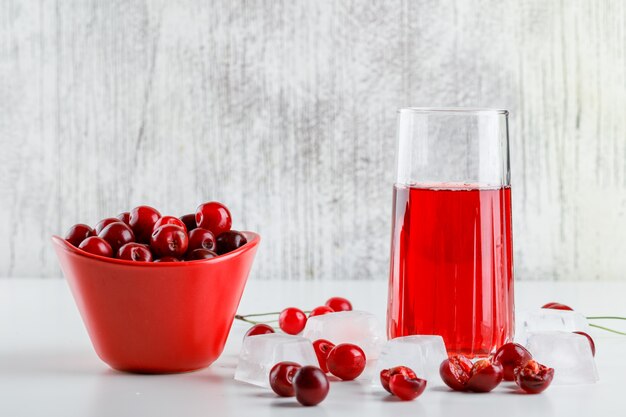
x,y
485,376
405,388
511,356
322,349
557,306
533,377
455,372
591,342
386,374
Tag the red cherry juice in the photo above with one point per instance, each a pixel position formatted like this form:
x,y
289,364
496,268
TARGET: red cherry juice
x,y
452,267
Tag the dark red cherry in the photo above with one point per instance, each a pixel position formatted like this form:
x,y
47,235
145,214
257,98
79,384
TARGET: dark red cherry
x,y
201,239
142,220
137,252
167,259
229,241
310,385
485,376
511,356
124,217
190,221
533,377
214,216
97,246
281,378
78,233
169,220
117,234
104,223
169,240
198,254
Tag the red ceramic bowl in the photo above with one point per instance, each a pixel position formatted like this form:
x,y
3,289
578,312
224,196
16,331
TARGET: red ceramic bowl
x,y
157,317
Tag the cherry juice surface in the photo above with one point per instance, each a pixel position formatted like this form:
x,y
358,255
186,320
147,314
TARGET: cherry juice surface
x,y
452,267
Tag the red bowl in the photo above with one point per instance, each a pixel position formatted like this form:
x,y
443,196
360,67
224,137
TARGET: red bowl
x,y
157,317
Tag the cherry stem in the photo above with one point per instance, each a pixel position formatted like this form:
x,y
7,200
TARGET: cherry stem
x,y
606,318
607,329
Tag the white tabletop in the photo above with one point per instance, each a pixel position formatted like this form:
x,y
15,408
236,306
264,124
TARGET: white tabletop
x,y
48,367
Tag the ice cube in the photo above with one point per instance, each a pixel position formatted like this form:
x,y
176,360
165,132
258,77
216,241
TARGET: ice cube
x,y
260,353
545,319
357,327
568,353
422,353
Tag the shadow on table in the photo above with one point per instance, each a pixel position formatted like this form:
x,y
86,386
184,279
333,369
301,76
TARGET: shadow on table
x,y
35,363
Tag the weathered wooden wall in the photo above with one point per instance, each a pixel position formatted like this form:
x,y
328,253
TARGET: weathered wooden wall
x,y
285,110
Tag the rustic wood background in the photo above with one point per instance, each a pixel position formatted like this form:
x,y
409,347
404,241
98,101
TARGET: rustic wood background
x,y
285,111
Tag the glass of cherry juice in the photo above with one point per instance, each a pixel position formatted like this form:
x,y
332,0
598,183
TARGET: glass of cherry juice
x,y
451,270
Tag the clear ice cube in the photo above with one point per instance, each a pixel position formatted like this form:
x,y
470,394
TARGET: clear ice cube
x,y
545,319
357,327
422,353
260,353
568,353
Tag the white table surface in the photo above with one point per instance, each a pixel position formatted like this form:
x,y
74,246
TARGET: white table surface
x,y
48,367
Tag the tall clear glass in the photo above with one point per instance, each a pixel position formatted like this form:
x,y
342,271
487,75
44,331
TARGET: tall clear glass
x,y
451,268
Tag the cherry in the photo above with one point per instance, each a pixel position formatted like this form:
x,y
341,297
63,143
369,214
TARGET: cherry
x,y
167,259
591,342
405,388
259,329
97,246
201,239
229,241
281,378
339,304
78,233
485,376
117,234
557,306
455,372
292,320
169,240
124,217
169,220
214,216
386,374
533,377
142,220
135,252
105,222
320,311
346,361
322,349
510,356
310,385
190,221
197,254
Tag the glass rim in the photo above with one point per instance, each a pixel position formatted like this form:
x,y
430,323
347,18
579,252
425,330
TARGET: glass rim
x,y
454,110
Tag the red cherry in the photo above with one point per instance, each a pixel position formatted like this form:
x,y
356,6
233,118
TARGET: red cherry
x,y
292,320
197,254
169,220
533,377
557,306
167,259
346,361
339,304
117,234
406,389
310,385
281,378
322,348
201,239
320,311
229,241
124,217
591,342
105,222
78,233
142,220
455,372
214,216
386,374
97,246
485,376
258,329
511,356
137,252
190,221
169,240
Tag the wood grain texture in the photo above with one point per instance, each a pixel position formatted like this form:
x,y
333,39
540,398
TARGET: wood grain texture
x,y
285,111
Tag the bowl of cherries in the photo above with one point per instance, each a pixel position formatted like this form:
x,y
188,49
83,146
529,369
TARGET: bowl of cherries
x,y
158,294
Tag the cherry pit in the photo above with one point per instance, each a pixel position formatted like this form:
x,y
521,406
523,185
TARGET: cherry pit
x,y
144,235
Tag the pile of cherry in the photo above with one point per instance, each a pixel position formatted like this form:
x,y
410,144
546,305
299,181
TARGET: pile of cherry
x,y
143,235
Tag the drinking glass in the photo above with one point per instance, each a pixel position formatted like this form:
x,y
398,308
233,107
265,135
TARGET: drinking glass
x,y
451,271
